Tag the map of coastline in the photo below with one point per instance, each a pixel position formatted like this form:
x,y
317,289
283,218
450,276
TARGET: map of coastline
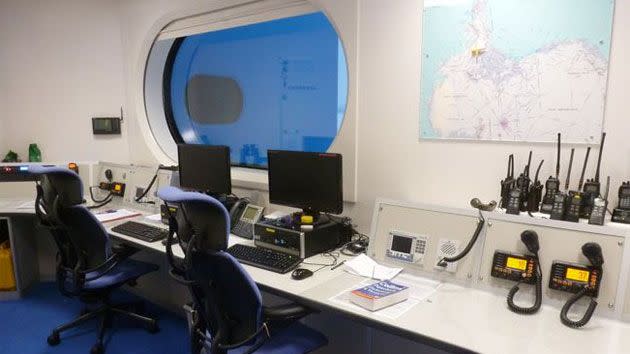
x,y
487,79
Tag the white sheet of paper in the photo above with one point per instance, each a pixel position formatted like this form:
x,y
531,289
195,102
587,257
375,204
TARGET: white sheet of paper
x,y
365,266
115,214
154,217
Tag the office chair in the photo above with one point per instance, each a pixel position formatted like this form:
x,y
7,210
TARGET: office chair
x,y
87,266
228,315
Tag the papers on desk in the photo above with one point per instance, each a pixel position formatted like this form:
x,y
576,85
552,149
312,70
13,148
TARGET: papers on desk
x,y
115,214
365,266
419,290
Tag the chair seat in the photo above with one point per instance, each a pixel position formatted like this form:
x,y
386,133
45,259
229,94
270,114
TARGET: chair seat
x,y
295,339
125,271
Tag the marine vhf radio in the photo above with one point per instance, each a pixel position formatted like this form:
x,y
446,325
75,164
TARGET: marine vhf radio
x,y
517,197
552,186
507,183
559,200
576,198
580,280
622,211
522,183
592,186
521,269
600,206
535,192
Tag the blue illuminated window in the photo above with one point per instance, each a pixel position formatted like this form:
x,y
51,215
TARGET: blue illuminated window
x,y
280,84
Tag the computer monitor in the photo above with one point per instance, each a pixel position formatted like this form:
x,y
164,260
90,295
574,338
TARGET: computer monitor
x,y
205,168
310,181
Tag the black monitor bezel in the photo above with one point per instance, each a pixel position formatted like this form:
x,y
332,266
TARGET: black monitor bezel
x,y
305,206
212,148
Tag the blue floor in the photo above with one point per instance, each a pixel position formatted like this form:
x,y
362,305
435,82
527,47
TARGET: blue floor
x,y
25,324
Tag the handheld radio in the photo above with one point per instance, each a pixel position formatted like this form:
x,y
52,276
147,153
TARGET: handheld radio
x,y
576,198
552,186
592,186
559,200
506,184
535,192
600,205
522,183
622,211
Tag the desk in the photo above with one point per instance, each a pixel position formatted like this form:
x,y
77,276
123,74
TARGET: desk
x,y
454,318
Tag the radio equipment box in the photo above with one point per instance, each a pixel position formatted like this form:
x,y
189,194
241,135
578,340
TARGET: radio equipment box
x,y
293,240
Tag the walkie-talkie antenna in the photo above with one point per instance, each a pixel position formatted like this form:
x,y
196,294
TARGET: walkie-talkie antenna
x,y
558,159
607,187
566,186
588,152
510,170
538,171
599,159
529,163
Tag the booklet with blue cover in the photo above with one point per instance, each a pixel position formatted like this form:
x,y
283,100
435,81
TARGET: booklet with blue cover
x,y
379,295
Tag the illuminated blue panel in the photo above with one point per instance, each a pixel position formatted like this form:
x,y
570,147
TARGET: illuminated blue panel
x,y
280,84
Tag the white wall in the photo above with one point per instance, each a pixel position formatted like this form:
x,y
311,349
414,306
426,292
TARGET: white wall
x,y
63,65
392,161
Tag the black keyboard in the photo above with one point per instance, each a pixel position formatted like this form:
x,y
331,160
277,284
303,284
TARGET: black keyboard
x,y
140,231
264,258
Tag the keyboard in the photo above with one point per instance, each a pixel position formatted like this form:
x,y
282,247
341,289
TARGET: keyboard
x,y
264,258
141,231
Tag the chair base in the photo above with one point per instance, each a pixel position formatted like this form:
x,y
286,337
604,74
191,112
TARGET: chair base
x,y
106,313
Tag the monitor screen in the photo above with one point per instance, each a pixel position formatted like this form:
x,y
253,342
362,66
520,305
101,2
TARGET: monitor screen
x,y
401,244
205,168
307,180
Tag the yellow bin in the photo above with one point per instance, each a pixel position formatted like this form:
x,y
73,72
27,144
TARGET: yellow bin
x,y
7,277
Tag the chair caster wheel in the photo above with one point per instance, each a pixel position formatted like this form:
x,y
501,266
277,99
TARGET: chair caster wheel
x,y
97,349
54,339
153,327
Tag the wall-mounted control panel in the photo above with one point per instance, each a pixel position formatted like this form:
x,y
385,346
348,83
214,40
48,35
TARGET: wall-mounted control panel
x,y
514,266
406,247
572,277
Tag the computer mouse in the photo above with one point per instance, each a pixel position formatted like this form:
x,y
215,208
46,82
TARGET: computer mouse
x,y
301,273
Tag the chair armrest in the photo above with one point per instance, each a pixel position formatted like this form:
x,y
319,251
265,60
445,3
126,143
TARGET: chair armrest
x,y
102,268
290,311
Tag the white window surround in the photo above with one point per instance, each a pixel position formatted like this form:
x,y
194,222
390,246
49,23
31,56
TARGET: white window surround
x,y
226,14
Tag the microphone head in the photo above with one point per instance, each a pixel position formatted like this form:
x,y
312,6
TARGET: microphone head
x,y
477,204
530,239
593,252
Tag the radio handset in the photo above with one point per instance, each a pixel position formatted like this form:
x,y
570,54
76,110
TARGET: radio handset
x,y
552,186
530,239
477,204
593,252
507,183
535,193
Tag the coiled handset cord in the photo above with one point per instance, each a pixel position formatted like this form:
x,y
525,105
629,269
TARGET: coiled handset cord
x,y
587,315
537,302
480,222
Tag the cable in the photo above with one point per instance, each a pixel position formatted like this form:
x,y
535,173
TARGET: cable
x,y
101,204
481,221
146,190
109,195
537,303
587,315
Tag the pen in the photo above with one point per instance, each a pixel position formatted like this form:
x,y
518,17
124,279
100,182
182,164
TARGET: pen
x,y
338,265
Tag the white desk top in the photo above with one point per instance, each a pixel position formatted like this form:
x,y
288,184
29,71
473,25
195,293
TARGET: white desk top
x,y
454,316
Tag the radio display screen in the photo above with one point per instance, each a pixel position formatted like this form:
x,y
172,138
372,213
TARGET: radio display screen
x,y
580,275
516,263
401,244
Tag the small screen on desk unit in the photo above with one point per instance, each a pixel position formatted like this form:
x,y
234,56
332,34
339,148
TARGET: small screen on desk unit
x,y
580,275
249,214
516,263
401,244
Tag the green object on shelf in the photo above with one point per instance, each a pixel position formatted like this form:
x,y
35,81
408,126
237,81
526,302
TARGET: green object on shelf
x,y
11,156
34,154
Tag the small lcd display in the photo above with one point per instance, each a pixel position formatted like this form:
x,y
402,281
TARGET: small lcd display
x,y
401,244
516,263
249,213
580,275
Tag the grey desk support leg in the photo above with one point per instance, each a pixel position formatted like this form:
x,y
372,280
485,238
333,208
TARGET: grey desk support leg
x,y
22,237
